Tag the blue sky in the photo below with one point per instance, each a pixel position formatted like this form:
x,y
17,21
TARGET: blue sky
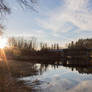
x,y
59,21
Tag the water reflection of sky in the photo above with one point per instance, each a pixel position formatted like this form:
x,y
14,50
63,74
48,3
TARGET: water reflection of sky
x,y
62,79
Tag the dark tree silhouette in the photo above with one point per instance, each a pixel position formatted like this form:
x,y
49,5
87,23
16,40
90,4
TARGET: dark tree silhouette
x,y
81,43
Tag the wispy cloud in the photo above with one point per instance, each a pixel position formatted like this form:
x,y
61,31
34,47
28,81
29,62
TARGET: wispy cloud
x,y
72,13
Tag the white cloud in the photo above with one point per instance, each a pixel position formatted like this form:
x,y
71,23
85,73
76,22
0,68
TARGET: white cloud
x,y
65,85
75,12
85,86
76,4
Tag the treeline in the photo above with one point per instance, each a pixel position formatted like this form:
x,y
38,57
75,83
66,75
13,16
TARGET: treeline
x,y
81,43
31,44
21,47
21,43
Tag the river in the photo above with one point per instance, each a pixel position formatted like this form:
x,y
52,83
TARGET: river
x,y
58,78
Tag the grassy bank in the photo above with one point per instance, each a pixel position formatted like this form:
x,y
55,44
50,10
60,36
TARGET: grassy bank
x,y
10,71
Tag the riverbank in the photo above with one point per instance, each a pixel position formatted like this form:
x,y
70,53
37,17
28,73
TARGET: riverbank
x,y
10,71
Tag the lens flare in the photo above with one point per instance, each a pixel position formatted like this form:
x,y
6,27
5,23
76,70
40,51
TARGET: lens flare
x,y
3,42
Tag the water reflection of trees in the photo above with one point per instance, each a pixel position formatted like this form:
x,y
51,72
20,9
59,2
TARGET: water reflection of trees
x,y
79,64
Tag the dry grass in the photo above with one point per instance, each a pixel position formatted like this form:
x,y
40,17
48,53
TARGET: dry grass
x,y
12,70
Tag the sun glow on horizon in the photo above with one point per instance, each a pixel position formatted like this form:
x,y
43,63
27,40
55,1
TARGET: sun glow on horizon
x,y
3,42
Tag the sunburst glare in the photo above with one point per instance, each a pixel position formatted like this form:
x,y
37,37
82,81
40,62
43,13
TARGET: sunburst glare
x,y
3,42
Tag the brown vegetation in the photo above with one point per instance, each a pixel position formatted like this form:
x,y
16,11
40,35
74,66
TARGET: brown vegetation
x,y
11,70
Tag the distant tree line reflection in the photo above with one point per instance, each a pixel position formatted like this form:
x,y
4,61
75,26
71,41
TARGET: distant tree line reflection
x,y
80,65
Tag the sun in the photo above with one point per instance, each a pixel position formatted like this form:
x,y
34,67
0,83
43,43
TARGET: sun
x,y
3,42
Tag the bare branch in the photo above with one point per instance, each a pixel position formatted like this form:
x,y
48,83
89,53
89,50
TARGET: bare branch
x,y
27,4
4,7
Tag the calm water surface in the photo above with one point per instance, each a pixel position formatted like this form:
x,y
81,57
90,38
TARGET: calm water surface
x,y
53,78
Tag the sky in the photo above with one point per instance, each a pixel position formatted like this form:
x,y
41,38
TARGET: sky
x,y
56,21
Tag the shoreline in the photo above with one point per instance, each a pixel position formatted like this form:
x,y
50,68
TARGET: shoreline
x,y
13,70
